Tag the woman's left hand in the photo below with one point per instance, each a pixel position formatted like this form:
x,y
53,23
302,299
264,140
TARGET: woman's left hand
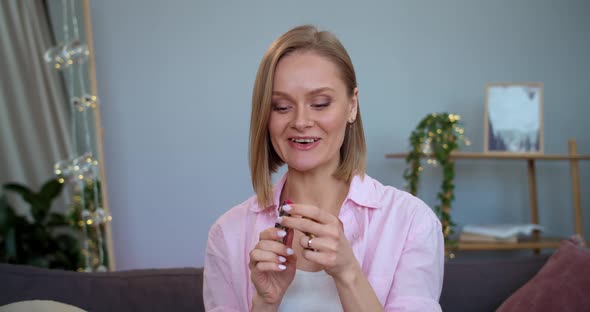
x,y
329,247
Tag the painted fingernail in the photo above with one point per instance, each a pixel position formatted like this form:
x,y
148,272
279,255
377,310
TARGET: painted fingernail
x,y
282,259
279,220
287,208
288,202
290,251
282,267
281,233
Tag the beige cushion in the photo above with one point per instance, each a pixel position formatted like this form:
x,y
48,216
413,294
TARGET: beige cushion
x,y
39,306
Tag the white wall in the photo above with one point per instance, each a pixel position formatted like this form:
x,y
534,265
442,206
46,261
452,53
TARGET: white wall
x,y
175,81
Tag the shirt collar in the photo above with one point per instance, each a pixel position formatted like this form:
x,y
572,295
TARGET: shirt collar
x,y
362,192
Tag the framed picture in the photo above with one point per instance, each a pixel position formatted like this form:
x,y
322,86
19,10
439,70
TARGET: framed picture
x,y
514,118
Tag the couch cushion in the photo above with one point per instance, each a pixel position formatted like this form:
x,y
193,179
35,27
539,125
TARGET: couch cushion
x,y
135,290
483,284
39,306
563,284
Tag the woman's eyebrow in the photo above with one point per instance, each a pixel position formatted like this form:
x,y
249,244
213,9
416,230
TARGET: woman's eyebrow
x,y
280,93
320,90
310,93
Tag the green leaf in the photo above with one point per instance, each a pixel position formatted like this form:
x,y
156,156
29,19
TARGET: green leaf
x,y
38,261
6,215
51,189
40,208
67,242
42,237
26,194
56,219
11,244
19,188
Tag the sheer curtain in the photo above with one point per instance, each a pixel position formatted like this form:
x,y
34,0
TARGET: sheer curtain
x,y
34,117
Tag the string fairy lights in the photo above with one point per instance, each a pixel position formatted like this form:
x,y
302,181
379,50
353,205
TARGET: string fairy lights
x,y
80,171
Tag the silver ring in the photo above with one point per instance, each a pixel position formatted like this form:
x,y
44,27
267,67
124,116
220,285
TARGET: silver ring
x,y
309,243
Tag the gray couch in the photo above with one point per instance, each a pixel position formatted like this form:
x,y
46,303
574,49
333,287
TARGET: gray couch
x,y
469,285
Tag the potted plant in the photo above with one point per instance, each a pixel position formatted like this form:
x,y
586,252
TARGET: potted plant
x,y
46,240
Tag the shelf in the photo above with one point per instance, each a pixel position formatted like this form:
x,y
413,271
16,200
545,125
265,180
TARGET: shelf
x,y
473,155
534,242
542,243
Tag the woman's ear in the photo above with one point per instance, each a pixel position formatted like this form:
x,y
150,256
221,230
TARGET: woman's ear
x,y
354,103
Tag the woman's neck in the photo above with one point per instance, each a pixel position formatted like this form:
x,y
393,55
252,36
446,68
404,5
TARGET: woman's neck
x,y
319,189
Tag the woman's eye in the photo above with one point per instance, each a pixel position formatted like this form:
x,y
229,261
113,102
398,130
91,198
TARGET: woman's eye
x,y
321,105
280,108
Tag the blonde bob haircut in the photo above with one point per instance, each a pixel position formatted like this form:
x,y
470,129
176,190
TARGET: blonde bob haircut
x,y
262,156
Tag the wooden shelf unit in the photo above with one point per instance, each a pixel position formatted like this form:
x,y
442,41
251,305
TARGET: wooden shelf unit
x,y
472,155
536,242
533,243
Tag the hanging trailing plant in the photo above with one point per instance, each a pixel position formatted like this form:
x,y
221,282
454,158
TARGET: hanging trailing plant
x,y
435,137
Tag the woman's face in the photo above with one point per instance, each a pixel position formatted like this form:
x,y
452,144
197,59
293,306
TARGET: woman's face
x,y
310,112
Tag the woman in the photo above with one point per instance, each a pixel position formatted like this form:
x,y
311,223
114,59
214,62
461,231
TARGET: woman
x,y
351,243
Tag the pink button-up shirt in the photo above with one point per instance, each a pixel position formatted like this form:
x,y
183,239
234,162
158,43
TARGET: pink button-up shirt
x,y
396,238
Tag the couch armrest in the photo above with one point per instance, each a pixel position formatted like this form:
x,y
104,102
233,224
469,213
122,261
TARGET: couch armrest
x,y
482,285
135,290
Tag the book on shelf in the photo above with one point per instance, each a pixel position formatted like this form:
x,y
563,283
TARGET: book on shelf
x,y
502,231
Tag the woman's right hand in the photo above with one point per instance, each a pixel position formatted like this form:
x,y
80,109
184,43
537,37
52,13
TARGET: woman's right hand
x,y
272,267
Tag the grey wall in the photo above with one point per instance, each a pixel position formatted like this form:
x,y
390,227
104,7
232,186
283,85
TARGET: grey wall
x,y
175,81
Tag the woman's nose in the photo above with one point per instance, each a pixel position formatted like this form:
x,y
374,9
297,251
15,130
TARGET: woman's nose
x,y
302,119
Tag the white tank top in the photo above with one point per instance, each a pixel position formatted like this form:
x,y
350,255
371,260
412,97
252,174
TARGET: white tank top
x,y
311,291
